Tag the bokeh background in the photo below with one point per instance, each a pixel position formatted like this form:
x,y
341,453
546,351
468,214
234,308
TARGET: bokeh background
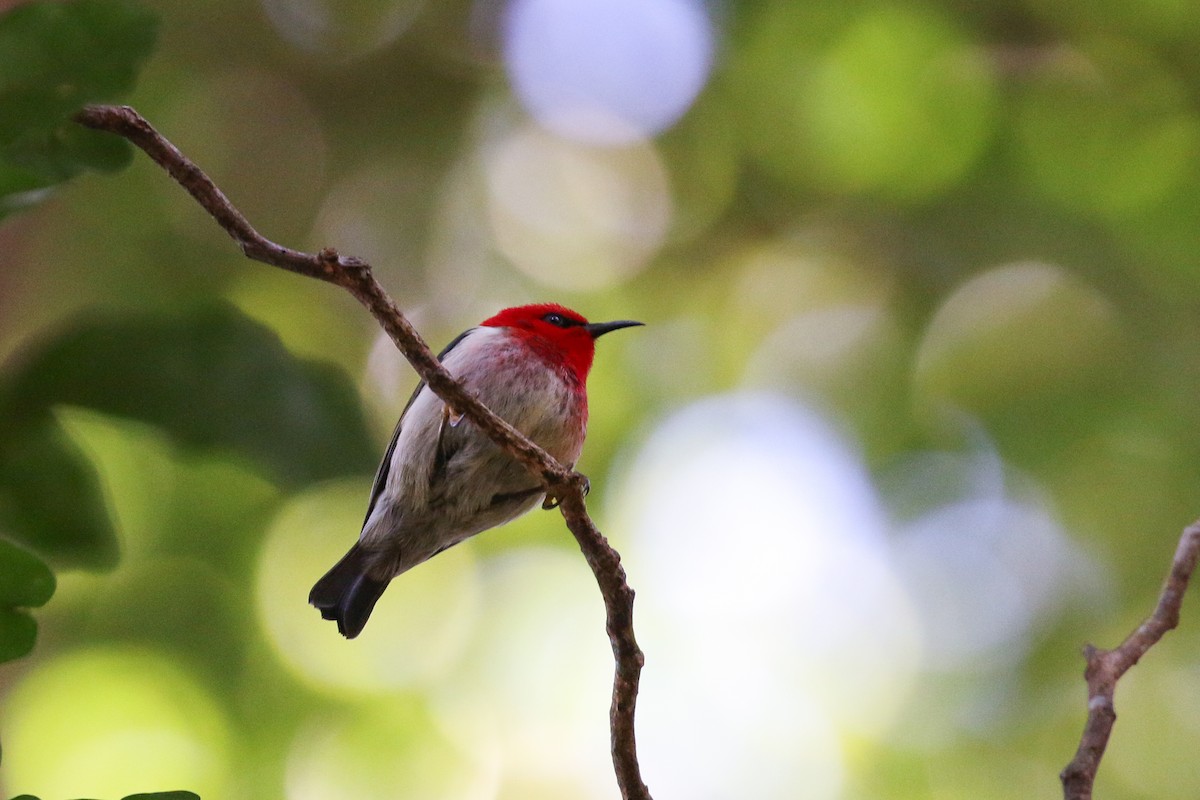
x,y
914,415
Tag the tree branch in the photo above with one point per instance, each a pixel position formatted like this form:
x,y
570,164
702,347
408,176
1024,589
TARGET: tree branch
x,y
355,276
1105,668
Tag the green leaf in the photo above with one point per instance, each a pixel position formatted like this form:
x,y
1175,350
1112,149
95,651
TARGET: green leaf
x,y
56,57
67,152
50,496
24,580
20,188
17,634
214,380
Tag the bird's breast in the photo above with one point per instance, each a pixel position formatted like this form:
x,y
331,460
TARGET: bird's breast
x,y
544,401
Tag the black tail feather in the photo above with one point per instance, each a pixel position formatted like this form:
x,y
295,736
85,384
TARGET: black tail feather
x,y
347,594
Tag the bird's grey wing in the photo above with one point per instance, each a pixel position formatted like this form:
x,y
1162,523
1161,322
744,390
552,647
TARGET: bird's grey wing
x,y
385,466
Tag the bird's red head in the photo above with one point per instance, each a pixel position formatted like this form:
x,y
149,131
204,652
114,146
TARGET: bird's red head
x,y
558,334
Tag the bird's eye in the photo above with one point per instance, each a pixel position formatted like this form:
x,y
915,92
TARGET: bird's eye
x,y
556,319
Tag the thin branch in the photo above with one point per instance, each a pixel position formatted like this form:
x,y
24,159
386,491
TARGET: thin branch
x,y
1105,668
562,484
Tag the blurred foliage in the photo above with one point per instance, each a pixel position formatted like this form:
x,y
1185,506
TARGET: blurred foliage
x,y
214,380
25,582
55,58
177,795
42,468
964,235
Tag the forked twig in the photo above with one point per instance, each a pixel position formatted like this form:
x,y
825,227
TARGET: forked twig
x,y
1105,668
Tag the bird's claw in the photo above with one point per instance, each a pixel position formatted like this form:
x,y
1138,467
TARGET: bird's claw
x,y
553,502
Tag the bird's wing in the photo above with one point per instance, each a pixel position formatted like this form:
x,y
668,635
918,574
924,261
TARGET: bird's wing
x,y
385,466
443,451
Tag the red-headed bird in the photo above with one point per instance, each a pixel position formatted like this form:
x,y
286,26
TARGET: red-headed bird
x,y
442,480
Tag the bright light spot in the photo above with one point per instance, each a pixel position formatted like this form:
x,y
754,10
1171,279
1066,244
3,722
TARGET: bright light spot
x,y
1015,332
981,573
409,640
342,30
759,529
533,690
608,71
988,569
109,723
832,334
984,566
575,217
780,280
815,348
380,754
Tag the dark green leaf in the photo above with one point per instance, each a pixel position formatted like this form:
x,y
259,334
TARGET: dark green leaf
x,y
175,795
20,188
60,56
17,634
96,149
50,497
214,380
54,58
24,580
67,151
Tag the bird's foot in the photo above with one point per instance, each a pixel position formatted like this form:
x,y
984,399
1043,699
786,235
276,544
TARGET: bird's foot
x,y
585,484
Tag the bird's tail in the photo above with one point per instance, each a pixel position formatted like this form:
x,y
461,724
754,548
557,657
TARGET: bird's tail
x,y
347,594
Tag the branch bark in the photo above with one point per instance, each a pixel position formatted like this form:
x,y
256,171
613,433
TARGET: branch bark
x,y
1106,667
355,276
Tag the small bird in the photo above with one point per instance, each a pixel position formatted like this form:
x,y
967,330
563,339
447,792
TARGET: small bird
x,y
442,480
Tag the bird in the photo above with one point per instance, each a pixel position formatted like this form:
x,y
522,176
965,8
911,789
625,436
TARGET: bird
x,y
442,480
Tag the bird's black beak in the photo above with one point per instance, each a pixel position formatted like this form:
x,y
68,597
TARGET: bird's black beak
x,y
598,329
